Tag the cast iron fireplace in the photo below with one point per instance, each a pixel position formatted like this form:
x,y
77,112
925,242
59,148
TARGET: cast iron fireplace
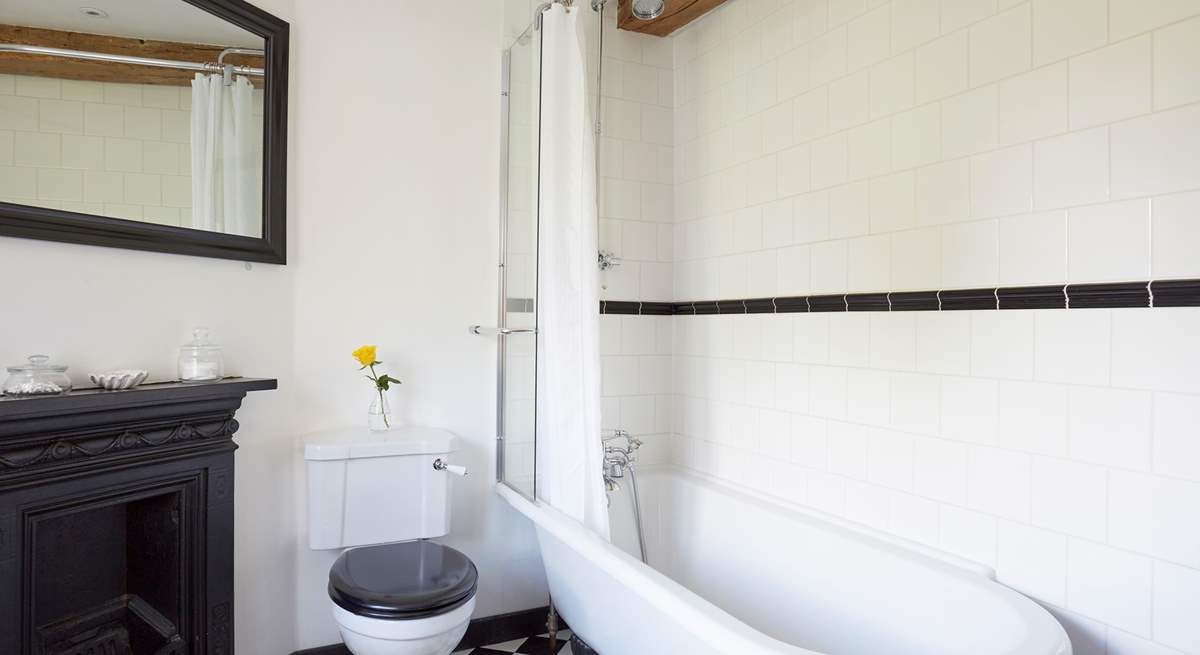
x,y
116,521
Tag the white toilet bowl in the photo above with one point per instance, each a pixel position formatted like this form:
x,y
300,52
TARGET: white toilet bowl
x,y
408,598
434,635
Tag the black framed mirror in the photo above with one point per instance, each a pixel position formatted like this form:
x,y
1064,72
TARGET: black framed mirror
x,y
155,125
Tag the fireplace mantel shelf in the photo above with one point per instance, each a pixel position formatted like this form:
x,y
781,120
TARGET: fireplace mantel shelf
x,y
18,407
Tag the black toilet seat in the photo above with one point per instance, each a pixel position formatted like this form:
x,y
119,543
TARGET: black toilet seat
x,y
410,580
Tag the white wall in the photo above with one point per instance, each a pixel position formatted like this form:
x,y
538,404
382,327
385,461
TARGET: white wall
x,y
847,146
398,112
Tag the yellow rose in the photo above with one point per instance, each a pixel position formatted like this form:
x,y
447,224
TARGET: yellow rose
x,y
365,355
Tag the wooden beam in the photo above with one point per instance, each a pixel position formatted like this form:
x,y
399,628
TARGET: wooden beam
x,y
103,71
676,14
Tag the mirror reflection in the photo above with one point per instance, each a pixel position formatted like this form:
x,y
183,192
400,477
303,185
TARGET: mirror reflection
x,y
144,110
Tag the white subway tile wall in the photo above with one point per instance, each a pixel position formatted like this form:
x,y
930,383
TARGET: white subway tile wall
x,y
118,150
827,146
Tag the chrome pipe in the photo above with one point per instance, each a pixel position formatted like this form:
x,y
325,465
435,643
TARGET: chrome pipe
x,y
206,67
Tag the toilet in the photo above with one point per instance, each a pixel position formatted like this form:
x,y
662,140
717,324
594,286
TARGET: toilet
x,y
380,496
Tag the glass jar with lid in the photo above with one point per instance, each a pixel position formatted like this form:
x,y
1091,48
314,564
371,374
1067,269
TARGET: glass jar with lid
x,y
200,360
37,378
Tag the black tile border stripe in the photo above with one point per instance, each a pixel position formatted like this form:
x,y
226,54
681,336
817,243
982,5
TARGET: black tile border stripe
x,y
1159,293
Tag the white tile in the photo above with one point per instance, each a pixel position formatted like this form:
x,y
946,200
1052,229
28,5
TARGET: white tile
x,y
1131,17
104,120
143,189
829,267
1071,169
893,204
890,459
82,90
1176,228
1177,435
1109,242
914,518
38,87
777,125
917,259
829,161
914,22
1062,28
848,450
1072,346
970,410
82,152
869,38
828,54
1033,561
1110,586
968,534
941,68
1155,515
969,123
123,155
1110,427
892,341
794,267
53,184
809,445
1002,182
1000,46
17,113
762,274
892,85
944,343
1156,154
794,171
143,123
791,387
811,338
826,492
841,11
1070,497
827,392
1002,344
1123,643
998,482
940,469
1087,636
944,193
123,94
762,180
1175,592
867,504
868,397
1033,417
869,263
916,399
917,137
60,116
1157,349
1177,65
6,148
1110,84
849,339
99,186
793,72
1033,105
849,213
970,254
18,182
812,115
868,150
1033,248
849,104
37,149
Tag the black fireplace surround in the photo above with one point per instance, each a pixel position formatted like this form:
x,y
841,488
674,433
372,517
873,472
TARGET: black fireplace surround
x,y
116,520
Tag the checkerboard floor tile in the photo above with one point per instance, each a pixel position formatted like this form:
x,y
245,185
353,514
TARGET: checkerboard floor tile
x,y
539,645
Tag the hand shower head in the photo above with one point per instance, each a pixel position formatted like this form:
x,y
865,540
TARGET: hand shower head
x,y
648,9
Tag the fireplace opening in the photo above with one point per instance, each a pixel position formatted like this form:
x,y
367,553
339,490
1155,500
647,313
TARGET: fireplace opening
x,y
109,576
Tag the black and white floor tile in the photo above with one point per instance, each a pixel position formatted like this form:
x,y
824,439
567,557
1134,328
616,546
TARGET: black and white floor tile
x,y
539,645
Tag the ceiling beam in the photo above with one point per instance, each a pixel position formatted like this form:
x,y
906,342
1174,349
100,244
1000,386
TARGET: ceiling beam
x,y
65,68
676,14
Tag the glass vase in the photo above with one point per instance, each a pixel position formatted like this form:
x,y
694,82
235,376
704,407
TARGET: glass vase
x,y
379,414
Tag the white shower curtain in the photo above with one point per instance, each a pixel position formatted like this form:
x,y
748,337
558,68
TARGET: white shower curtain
x,y
225,160
569,451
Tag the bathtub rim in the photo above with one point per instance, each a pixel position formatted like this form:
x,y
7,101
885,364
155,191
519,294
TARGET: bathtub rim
x,y
1045,635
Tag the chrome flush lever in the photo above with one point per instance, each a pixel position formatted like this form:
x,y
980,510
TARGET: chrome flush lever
x,y
440,465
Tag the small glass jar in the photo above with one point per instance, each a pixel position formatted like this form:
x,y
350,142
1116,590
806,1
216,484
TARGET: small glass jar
x,y
200,360
37,378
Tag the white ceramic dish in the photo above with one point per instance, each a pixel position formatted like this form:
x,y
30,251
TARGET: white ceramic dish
x,y
118,380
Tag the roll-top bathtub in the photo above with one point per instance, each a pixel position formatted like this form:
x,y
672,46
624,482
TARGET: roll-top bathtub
x,y
736,574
